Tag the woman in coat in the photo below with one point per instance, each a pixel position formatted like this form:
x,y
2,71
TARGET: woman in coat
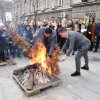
x,y
28,34
91,31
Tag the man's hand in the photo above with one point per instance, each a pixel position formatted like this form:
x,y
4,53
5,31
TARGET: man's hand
x,y
89,32
31,41
48,58
34,35
61,52
63,59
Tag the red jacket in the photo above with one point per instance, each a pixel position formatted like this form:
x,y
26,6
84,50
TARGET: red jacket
x,y
93,33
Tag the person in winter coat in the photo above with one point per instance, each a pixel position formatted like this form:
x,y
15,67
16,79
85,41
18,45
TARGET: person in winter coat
x,y
21,28
91,31
47,36
81,43
98,36
28,34
2,44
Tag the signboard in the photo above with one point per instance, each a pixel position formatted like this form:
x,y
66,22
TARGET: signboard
x,y
8,16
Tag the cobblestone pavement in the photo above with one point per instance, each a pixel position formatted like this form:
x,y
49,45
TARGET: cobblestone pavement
x,y
85,87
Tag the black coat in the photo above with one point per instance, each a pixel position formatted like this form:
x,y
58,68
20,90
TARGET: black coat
x,y
2,43
29,36
98,29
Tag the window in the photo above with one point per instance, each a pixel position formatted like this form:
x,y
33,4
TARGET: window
x,y
60,2
47,3
76,1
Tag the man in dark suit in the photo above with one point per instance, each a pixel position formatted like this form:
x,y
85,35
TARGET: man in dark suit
x,y
98,36
81,43
48,37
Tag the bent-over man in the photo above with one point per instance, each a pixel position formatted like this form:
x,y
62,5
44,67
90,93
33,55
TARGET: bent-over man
x,y
81,43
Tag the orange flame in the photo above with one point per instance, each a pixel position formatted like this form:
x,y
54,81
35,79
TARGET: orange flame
x,y
39,56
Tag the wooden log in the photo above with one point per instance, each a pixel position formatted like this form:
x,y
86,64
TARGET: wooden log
x,y
38,88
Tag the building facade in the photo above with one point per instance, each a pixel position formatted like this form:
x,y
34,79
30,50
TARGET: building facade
x,y
42,8
71,9
54,8
85,8
5,6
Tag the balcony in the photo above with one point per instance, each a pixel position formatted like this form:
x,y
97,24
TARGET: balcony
x,y
84,2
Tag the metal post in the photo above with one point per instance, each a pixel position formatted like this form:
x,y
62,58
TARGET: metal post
x,y
34,13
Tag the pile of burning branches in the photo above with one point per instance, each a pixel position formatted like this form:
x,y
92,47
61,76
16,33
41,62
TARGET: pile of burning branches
x,y
41,70
17,39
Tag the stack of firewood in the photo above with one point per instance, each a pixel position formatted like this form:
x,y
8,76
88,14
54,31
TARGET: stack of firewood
x,y
36,74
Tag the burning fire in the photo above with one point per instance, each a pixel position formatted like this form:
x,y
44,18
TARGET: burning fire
x,y
39,56
41,70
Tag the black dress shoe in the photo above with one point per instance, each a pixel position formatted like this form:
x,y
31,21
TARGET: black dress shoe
x,y
85,68
76,74
73,53
95,51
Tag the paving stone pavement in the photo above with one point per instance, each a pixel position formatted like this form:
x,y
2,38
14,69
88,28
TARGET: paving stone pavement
x,y
85,87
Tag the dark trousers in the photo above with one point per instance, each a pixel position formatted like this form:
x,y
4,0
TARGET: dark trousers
x,y
18,51
78,58
2,56
97,43
82,52
91,47
89,36
13,51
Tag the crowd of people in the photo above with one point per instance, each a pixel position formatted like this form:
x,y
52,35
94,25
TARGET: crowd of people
x,y
47,32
